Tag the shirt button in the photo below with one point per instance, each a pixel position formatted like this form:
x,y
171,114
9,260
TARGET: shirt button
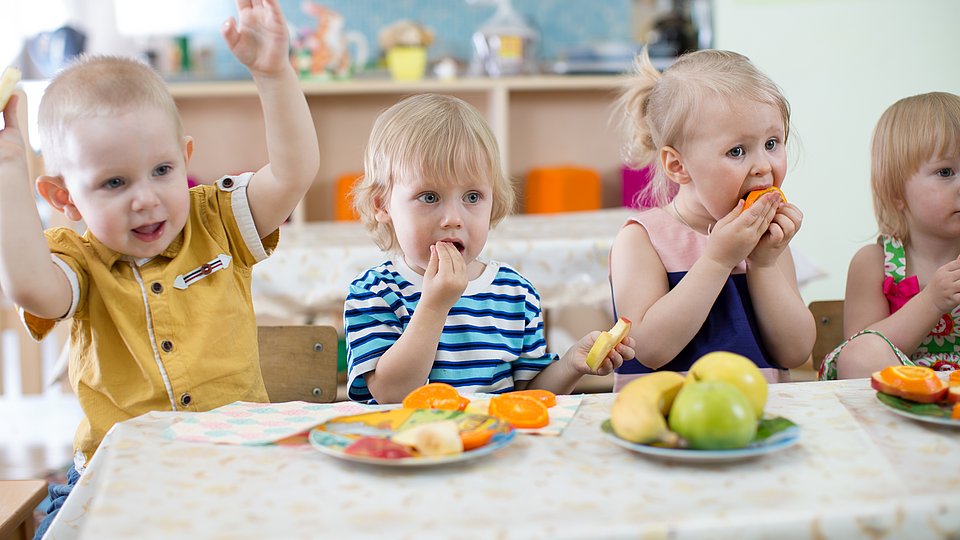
x,y
228,182
185,399
166,345
156,287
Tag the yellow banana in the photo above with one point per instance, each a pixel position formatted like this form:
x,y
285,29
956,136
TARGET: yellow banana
x,y
640,408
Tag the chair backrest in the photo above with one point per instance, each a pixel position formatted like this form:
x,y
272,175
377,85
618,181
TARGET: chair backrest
x,y
828,315
299,363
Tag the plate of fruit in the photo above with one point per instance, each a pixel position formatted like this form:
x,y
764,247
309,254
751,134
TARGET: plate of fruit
x,y
405,437
714,414
918,393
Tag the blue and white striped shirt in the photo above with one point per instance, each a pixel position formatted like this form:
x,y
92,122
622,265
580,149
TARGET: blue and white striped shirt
x,y
492,338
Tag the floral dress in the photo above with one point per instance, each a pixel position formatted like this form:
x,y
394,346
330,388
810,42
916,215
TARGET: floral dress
x,y
940,350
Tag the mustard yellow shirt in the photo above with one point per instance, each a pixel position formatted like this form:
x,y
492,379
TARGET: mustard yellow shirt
x,y
174,333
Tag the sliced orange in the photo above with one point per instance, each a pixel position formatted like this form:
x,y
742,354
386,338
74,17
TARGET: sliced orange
x,y
520,411
954,379
916,383
955,413
757,193
546,397
435,396
475,438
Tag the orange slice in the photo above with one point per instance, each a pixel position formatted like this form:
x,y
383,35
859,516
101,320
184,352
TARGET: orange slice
x,y
475,438
520,411
435,396
954,379
916,383
757,193
546,397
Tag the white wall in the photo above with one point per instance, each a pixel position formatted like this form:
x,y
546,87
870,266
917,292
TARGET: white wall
x,y
841,63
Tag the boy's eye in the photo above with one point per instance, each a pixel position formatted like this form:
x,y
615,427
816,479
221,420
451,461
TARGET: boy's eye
x,y
771,144
945,172
428,198
736,151
113,183
472,198
162,170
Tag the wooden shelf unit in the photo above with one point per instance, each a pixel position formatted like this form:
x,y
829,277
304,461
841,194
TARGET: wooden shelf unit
x,y
539,121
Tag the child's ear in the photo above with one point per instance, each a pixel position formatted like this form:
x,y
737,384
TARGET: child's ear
x,y
380,211
54,191
673,166
187,149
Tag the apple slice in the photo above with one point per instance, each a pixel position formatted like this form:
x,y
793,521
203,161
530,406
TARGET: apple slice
x,y
606,342
953,395
432,439
378,448
8,81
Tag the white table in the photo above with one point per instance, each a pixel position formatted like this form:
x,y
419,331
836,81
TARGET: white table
x,y
858,471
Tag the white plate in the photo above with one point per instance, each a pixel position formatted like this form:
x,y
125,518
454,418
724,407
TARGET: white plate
x,y
920,417
333,443
775,443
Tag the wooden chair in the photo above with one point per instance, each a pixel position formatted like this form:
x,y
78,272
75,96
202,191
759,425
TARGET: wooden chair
x,y
299,363
18,498
828,315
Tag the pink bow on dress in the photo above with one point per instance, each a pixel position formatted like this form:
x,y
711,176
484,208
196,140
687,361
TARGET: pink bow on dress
x,y
898,293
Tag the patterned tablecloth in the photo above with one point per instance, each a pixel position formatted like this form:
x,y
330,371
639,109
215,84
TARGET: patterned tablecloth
x,y
564,255
858,471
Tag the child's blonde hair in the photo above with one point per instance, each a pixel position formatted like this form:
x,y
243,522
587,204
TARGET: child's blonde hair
x,y
658,107
96,86
430,137
910,132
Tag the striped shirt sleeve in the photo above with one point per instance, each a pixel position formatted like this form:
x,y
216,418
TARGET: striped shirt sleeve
x,y
371,327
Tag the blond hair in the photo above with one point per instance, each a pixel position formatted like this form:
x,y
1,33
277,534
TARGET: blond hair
x,y
911,132
97,86
434,138
658,107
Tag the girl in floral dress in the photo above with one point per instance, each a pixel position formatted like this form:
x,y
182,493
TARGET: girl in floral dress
x,y
902,301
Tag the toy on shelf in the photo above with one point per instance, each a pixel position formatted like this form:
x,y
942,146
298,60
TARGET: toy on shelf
x,y
323,52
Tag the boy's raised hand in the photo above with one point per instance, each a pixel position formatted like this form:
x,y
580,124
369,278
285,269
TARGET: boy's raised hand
x,y
445,277
259,37
735,236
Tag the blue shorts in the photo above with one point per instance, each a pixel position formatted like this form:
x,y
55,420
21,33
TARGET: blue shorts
x,y
56,496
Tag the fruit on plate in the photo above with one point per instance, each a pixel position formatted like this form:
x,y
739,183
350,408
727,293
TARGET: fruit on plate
x,y
606,342
755,195
955,413
519,411
432,439
639,411
916,383
954,378
8,81
377,447
735,369
953,394
713,415
546,397
435,396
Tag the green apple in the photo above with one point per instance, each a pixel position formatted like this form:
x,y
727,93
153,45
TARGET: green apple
x,y
735,369
713,415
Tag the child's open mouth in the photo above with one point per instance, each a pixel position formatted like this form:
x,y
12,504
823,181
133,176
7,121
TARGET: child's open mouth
x,y
149,233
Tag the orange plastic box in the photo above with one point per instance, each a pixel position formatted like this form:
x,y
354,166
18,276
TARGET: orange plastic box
x,y
344,201
562,189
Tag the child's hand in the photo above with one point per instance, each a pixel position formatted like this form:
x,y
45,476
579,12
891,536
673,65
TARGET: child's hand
x,y
13,160
259,37
943,290
736,235
786,222
577,355
445,278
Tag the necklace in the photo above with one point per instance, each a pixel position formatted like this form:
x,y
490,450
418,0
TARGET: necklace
x,y
679,215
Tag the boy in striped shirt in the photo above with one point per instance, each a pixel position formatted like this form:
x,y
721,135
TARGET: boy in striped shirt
x,y
433,186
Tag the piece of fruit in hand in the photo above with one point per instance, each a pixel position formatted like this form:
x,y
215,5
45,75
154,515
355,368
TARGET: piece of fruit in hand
x,y
8,81
754,195
606,342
